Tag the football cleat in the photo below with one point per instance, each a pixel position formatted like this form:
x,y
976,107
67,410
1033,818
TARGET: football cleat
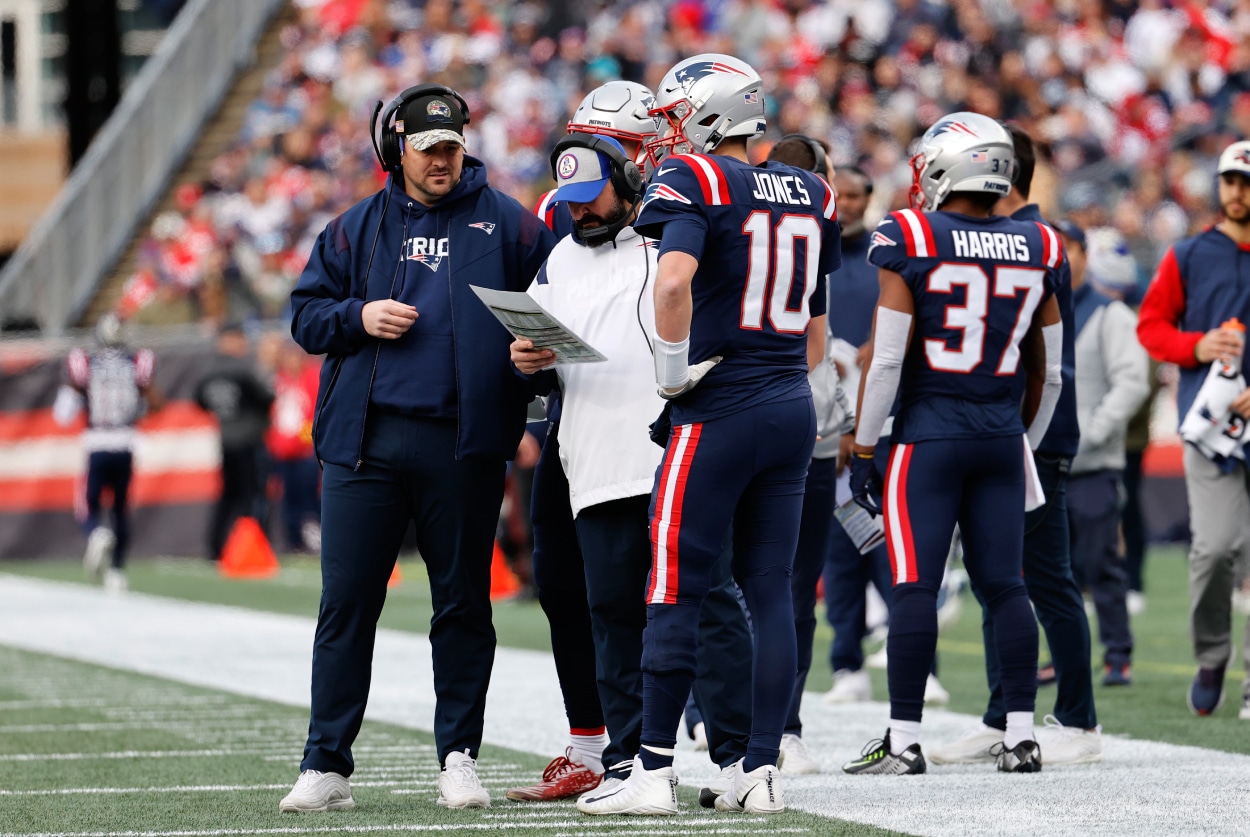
x,y
458,784
315,791
971,748
562,779
877,758
849,687
793,757
718,785
1025,757
99,544
1071,745
757,792
644,793
934,693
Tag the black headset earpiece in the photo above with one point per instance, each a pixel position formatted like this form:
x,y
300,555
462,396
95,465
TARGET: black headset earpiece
x,y
818,151
387,144
627,178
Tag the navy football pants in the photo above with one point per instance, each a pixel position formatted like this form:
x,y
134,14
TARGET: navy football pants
x,y
815,536
750,468
560,576
409,473
111,469
1057,601
929,487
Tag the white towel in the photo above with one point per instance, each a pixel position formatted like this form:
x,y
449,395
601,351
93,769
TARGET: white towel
x,y
1034,496
1210,425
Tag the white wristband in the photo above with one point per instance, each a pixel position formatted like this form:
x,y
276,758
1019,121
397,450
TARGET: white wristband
x,y
672,362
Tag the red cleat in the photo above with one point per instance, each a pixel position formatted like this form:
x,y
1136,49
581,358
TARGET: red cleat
x,y
562,779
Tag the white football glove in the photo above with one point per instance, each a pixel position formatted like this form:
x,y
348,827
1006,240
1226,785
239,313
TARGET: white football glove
x,y
697,372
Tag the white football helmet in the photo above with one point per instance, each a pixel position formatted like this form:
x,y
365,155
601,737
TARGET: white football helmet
x,y
962,152
705,99
621,110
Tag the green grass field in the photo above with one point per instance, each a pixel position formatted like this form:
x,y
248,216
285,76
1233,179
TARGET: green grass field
x,y
87,750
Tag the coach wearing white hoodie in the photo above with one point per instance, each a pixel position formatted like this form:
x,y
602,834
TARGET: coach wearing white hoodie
x,y
598,282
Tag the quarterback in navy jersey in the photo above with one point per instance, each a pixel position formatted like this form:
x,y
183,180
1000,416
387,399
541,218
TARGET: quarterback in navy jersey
x,y
968,334
740,318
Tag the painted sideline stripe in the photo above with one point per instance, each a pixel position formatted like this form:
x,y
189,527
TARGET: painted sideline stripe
x,y
612,823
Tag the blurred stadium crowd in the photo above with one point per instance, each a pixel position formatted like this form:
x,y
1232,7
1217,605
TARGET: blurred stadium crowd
x,y
1134,101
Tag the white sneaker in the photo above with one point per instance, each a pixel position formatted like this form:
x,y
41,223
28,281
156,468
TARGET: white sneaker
x,y
757,792
934,693
794,757
115,581
99,544
1071,745
644,793
317,791
700,737
1135,601
849,687
880,660
458,785
971,748
716,786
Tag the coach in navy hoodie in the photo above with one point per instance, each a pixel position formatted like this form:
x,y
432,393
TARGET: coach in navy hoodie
x,y
417,414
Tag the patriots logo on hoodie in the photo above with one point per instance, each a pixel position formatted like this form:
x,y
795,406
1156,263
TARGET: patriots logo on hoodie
x,y
427,251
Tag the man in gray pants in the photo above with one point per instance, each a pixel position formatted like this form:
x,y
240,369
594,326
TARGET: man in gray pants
x,y
1111,383
1201,283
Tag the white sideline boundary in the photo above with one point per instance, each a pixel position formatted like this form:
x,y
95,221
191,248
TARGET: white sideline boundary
x,y
1143,787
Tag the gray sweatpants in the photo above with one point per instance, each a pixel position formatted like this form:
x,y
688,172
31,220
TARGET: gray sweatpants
x,y
1219,507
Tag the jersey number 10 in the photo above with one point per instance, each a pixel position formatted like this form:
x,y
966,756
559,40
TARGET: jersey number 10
x,y
771,265
969,318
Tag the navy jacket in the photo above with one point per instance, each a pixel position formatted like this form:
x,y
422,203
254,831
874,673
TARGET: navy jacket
x,y
493,242
1064,434
1202,281
853,292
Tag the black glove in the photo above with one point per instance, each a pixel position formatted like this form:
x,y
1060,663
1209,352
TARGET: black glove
x,y
866,482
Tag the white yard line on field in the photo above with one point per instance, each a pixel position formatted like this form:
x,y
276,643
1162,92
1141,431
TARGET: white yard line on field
x,y
1143,787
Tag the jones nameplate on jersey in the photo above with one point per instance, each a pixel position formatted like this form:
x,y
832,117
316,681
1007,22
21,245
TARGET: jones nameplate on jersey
x,y
780,188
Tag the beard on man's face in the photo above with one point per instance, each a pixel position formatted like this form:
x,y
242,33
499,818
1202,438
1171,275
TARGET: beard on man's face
x,y
1236,211
592,221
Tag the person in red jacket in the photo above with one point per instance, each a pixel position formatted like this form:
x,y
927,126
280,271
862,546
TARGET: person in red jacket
x,y
289,439
1203,281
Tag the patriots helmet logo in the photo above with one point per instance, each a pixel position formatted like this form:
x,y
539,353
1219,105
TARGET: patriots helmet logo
x,y
662,191
430,260
1243,156
952,125
882,239
687,76
485,226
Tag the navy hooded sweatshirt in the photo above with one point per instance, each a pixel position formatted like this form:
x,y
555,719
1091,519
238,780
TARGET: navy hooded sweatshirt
x,y
453,363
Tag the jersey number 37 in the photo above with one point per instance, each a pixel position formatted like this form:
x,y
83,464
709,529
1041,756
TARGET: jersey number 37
x,y
771,270
969,318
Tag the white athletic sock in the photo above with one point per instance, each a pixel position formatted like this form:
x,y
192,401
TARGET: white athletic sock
x,y
1019,728
588,748
903,734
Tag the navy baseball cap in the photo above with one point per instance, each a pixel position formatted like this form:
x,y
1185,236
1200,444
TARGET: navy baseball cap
x,y
581,173
1071,231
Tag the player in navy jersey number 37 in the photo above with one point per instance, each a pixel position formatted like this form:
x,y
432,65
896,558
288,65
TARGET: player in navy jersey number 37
x,y
967,330
739,293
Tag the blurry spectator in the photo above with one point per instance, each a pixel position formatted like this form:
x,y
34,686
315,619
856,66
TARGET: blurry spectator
x,y
289,441
1136,98
234,393
1111,370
